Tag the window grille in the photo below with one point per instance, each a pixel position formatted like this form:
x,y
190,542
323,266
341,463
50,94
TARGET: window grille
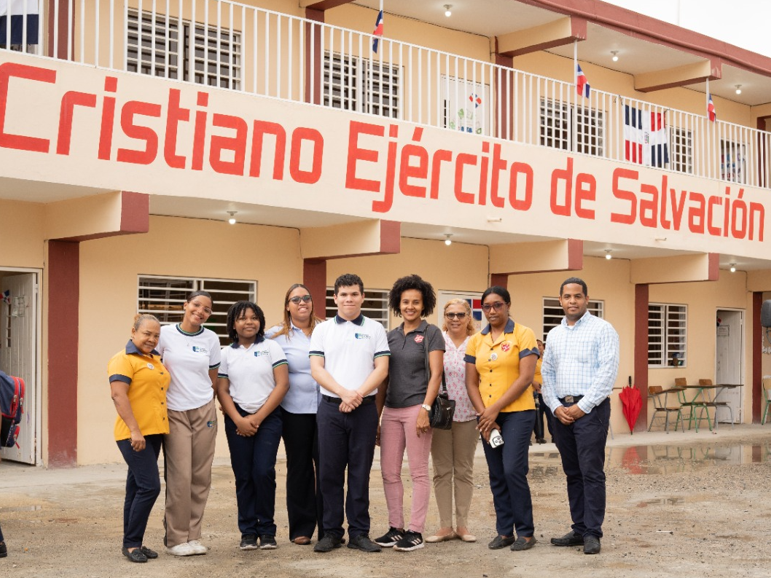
x,y
359,84
732,161
375,305
553,312
667,335
681,153
557,120
155,42
165,296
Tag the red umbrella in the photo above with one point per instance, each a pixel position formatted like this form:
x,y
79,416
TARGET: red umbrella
x,y
631,401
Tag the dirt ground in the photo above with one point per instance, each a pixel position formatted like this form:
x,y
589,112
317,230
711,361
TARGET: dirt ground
x,y
678,505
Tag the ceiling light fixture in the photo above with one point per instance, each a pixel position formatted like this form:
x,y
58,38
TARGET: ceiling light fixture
x,y
447,11
232,219
608,256
615,55
448,240
738,89
733,267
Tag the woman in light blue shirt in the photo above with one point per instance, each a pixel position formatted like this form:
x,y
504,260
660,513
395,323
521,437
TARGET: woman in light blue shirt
x,y
303,501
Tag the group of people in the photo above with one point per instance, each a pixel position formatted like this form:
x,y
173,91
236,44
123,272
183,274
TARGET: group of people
x,y
334,390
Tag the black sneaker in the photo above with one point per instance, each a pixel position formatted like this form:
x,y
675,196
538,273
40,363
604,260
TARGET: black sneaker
x,y
411,541
327,543
363,543
268,542
390,538
3,550
248,542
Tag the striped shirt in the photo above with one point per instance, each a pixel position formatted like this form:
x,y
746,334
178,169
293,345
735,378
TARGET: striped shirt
x,y
580,360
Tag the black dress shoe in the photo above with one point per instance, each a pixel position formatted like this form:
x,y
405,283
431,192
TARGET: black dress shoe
x,y
591,545
136,555
363,543
572,538
3,550
501,542
150,554
327,544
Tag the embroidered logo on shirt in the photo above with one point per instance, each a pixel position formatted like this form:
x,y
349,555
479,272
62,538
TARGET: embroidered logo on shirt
x,y
505,346
260,353
199,349
418,339
361,336
211,423
150,366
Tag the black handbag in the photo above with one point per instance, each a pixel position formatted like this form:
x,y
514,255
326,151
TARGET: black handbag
x,y
443,408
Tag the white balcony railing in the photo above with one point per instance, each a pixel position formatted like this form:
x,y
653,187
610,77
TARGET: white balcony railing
x,y
239,47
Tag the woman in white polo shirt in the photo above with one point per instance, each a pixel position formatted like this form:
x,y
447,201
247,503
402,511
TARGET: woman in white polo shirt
x,y
253,379
191,353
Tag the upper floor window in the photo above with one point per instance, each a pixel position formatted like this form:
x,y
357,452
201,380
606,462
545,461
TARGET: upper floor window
x,y
165,296
681,157
562,124
733,157
553,312
361,84
159,48
666,335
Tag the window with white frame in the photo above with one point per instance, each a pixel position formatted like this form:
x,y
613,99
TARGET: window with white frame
x,y
375,305
681,156
361,84
666,335
732,161
165,296
155,48
557,121
553,312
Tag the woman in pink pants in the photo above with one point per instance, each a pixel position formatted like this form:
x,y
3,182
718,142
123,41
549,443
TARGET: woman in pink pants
x,y
414,377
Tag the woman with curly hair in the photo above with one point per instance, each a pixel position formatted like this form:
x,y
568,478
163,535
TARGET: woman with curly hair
x,y
298,410
252,381
407,394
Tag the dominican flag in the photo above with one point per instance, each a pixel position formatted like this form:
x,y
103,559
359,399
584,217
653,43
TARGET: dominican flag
x,y
646,140
711,112
378,33
19,10
582,85
6,297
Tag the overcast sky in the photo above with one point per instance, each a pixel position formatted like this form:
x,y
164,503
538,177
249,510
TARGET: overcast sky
x,y
743,23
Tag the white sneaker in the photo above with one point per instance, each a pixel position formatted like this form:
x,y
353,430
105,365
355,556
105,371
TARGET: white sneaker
x,y
197,547
181,550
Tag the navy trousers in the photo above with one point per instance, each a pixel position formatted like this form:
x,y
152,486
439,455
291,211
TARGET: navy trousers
x,y
542,410
508,466
304,505
253,459
1,535
346,440
143,484
582,447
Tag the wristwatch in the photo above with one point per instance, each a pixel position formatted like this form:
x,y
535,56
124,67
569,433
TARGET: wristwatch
x,y
426,407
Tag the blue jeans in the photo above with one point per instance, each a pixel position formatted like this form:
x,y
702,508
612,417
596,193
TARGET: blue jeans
x,y
508,467
346,440
253,460
143,484
582,448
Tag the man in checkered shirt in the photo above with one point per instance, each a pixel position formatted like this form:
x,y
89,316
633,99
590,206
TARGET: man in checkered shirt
x,y
579,369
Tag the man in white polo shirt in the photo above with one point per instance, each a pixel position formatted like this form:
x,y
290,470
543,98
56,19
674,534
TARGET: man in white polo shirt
x,y
349,360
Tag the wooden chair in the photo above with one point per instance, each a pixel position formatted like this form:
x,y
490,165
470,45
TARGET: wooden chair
x,y
663,407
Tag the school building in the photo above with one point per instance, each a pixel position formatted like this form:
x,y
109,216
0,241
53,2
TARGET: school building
x,y
152,147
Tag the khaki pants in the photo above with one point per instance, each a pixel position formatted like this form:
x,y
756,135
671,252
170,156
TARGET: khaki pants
x,y
452,452
189,451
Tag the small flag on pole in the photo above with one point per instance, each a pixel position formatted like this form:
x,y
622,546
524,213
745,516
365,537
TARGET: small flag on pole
x,y
711,112
582,85
6,297
378,33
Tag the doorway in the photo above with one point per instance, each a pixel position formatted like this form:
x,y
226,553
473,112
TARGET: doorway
x,y
729,361
20,354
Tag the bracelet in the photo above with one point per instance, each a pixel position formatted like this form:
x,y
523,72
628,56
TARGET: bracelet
x,y
426,407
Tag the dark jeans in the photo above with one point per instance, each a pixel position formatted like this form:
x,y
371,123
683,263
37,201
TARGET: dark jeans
x,y
543,410
508,467
303,502
582,447
253,459
346,440
1,535
143,484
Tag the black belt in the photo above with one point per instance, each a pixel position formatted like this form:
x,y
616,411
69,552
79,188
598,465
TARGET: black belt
x,y
337,401
571,398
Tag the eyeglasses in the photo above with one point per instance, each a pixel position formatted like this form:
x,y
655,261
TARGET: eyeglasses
x,y
460,315
497,305
303,298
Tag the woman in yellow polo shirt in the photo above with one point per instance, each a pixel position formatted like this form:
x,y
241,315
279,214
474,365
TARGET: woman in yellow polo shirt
x,y
138,384
500,363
